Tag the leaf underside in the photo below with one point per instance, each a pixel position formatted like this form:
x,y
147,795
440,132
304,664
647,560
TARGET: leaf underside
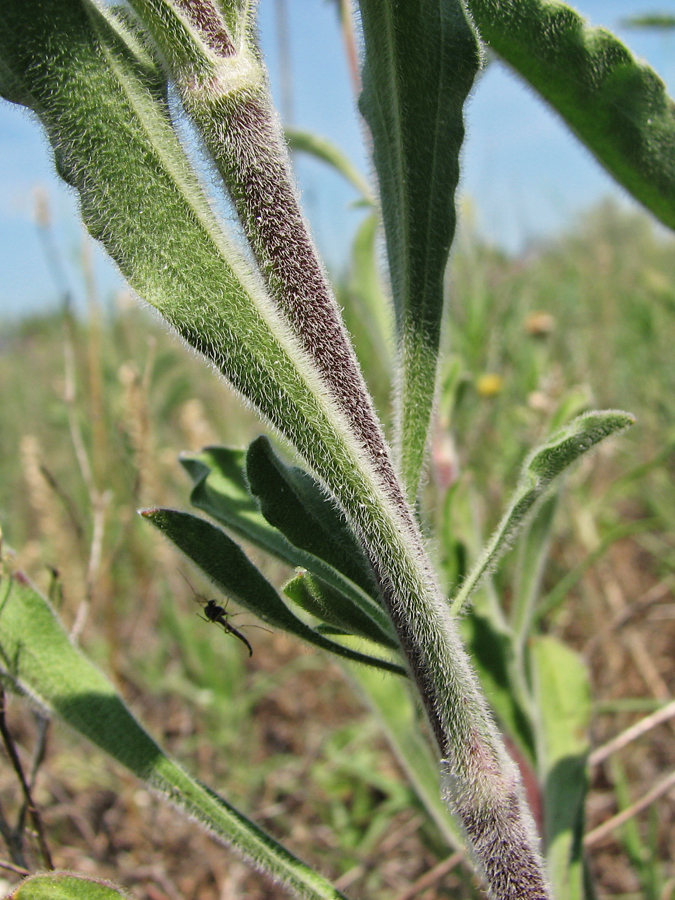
x,y
616,104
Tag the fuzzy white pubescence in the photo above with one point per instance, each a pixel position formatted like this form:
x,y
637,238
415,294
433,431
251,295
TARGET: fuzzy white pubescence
x,y
244,137
481,782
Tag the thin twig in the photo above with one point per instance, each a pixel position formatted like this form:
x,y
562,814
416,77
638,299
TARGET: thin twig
x,y
662,715
593,837
20,870
66,501
433,876
30,805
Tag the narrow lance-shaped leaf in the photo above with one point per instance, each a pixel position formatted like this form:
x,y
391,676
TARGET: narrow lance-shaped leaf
x,y
333,609
36,654
539,470
612,101
65,886
226,564
222,491
420,62
323,149
114,142
295,504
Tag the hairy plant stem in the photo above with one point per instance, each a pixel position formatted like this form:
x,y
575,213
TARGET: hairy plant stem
x,y
290,357
232,108
481,782
227,95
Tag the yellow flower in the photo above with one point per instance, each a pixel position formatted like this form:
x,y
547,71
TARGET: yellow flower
x,y
490,384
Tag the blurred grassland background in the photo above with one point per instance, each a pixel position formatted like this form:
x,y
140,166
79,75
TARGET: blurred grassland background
x,y
95,410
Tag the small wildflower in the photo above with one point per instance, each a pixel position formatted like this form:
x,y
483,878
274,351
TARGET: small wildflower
x,y
490,384
539,324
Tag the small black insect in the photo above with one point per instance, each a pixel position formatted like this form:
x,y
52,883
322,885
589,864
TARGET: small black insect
x,y
218,615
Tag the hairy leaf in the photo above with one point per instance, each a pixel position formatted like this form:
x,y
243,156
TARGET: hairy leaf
x,y
293,502
226,564
334,609
612,101
38,657
64,886
221,490
420,62
540,468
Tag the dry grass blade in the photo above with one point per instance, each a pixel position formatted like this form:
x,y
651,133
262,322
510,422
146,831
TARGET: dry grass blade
x,y
602,831
432,877
665,714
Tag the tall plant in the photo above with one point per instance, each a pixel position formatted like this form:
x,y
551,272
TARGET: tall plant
x,y
98,78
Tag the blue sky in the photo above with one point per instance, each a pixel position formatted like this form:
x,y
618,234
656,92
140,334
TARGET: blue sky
x,y
525,175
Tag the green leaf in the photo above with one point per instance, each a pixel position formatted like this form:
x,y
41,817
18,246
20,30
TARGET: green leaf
x,y
333,608
293,502
307,142
613,102
38,657
539,469
420,62
226,564
564,702
65,886
113,137
222,491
